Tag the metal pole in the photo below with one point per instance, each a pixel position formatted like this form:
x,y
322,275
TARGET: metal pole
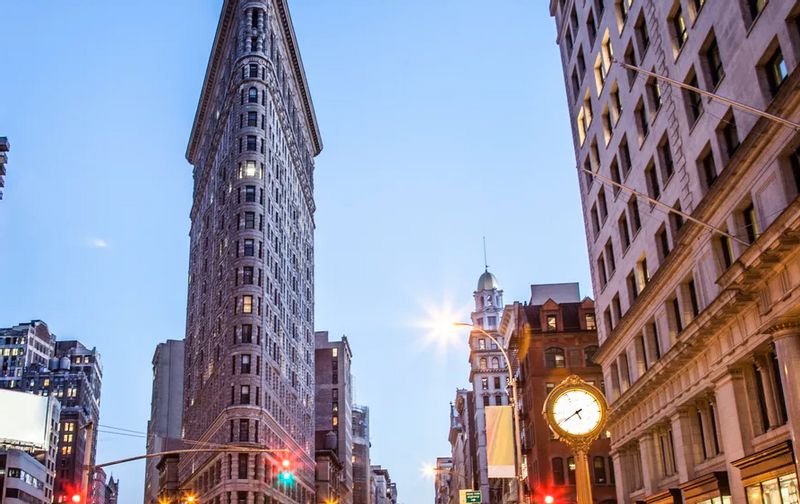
x,y
515,408
733,103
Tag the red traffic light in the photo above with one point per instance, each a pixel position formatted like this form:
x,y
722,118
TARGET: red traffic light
x,y
286,463
548,499
76,498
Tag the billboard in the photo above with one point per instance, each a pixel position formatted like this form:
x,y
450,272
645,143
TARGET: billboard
x,y
24,419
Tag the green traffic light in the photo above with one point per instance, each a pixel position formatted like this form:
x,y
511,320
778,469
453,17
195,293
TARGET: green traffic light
x,y
287,477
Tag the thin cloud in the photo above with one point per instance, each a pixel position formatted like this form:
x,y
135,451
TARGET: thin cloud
x,y
98,243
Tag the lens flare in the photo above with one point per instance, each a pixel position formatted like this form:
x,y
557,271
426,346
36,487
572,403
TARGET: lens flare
x,y
437,327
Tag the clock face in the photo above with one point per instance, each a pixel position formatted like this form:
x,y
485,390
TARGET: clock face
x,y
577,412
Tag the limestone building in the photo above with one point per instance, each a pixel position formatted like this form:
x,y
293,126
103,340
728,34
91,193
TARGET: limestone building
x,y
463,439
697,327
249,343
166,410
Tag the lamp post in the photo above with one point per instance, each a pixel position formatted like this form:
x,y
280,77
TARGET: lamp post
x,y
514,405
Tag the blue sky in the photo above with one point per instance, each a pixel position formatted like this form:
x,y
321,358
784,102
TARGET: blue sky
x,y
442,122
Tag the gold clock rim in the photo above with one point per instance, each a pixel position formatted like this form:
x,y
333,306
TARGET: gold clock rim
x,y
574,382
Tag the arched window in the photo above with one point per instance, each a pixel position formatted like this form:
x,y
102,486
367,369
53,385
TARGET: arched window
x,y
558,471
482,363
252,95
589,353
599,465
554,358
495,363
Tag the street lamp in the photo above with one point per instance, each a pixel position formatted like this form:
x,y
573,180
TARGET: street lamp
x,y
514,402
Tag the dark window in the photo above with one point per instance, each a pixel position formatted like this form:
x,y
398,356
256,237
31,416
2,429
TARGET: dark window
x,y
251,143
776,71
679,26
726,251
642,121
761,395
243,461
730,135
630,59
694,100
244,394
244,430
558,468
616,102
245,364
253,71
624,234
249,247
633,287
654,94
554,358
708,168
601,268
595,221
652,182
633,214
581,65
589,353
755,7
486,400
497,382
624,10
615,175
247,333
591,28
612,263
794,162
250,193
249,220
676,314
599,464
252,95
663,242
247,275
693,297
625,156
714,63
252,119
665,152
750,223
601,200
571,460
776,370
642,36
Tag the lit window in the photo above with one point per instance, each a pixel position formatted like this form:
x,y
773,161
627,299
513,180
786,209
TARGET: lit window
x,y
247,304
591,324
252,95
554,358
250,169
552,322
679,26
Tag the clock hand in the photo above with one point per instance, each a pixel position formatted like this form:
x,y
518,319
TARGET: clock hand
x,y
572,415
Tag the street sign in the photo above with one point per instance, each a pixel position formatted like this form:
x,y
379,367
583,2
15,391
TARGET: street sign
x,y
469,496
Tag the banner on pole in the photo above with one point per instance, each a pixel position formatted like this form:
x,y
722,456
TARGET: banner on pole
x,y
500,441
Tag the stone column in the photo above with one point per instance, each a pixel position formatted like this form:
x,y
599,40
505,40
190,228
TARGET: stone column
x,y
648,461
683,444
622,476
764,370
734,425
787,348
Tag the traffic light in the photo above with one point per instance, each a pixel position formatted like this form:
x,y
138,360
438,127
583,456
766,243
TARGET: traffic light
x,y
548,499
76,498
286,475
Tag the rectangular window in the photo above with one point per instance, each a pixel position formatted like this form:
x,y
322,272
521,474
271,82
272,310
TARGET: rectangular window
x,y
591,28
692,290
616,103
601,270
612,264
665,155
633,215
249,247
625,157
708,169
244,394
642,122
614,169
654,94
714,63
252,119
591,324
776,71
247,275
615,303
679,28
633,287
243,460
251,143
676,315
624,234
247,333
245,364
250,193
653,187
663,242
247,303
750,223
755,7
602,204
794,163
244,430
730,135
552,322
726,251
249,220
693,100
642,36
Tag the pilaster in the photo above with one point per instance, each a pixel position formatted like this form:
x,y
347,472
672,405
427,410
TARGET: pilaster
x,y
734,425
787,348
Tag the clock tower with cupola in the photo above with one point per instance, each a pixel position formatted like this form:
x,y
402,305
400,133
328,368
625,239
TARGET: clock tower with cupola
x,y
488,374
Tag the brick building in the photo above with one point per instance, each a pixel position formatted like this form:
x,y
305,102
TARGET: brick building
x,y
698,328
554,335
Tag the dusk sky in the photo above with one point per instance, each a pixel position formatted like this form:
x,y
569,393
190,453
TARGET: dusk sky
x,y
442,121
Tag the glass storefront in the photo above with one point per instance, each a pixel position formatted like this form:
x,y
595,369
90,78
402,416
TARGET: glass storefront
x,y
717,500
781,490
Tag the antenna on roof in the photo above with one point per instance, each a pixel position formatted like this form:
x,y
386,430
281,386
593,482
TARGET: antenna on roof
x,y
485,261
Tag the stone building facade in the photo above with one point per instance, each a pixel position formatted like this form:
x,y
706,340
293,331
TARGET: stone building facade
x,y
553,336
166,410
5,146
463,444
249,344
698,330
361,458
333,400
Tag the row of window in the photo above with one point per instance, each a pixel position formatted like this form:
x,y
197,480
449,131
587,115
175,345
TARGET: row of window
x,y
602,470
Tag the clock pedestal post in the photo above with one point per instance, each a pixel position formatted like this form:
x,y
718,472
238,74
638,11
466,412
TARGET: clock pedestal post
x,y
583,483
